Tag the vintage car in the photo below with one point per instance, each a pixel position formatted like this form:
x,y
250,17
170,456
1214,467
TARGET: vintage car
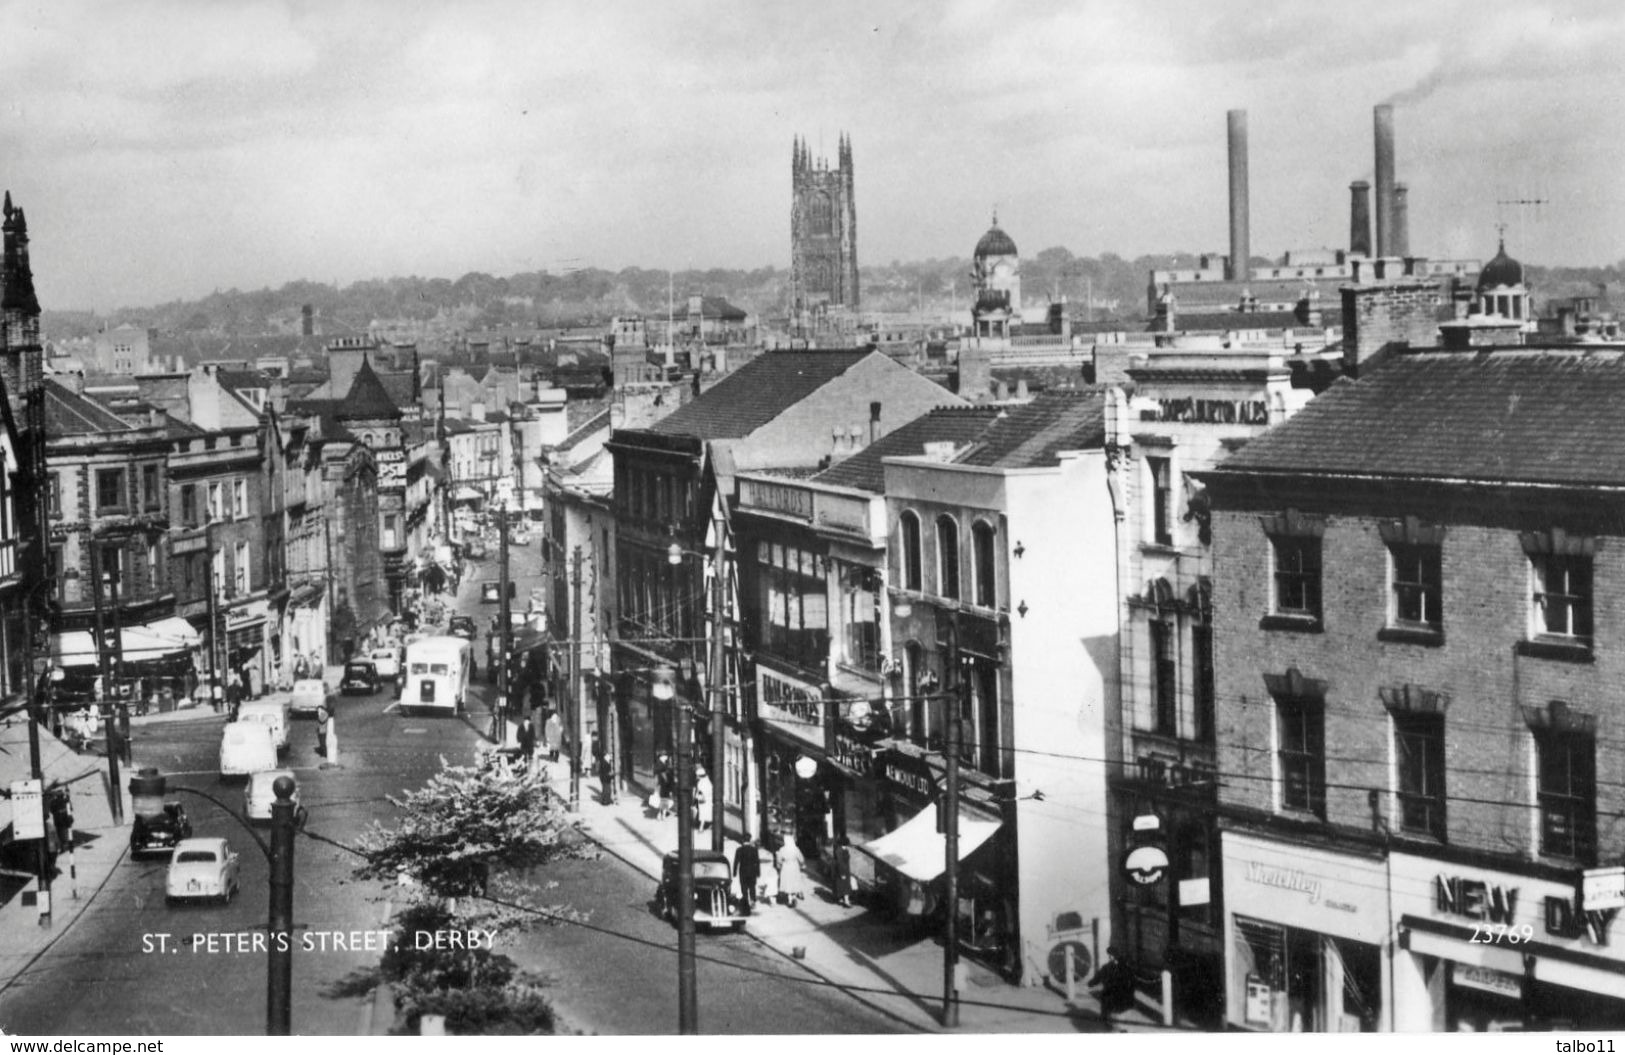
x,y
360,678
159,832
201,868
713,907
463,626
245,748
387,660
309,696
258,795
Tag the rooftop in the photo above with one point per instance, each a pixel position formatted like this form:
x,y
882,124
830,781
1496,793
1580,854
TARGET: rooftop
x,y
758,392
960,426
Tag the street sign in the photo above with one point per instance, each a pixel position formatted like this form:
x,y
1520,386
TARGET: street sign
x,y
27,810
1602,888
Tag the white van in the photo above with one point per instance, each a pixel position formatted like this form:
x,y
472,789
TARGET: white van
x,y
246,747
273,713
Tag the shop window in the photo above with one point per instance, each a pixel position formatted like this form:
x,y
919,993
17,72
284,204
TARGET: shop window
x,y
908,526
1203,685
1419,762
1164,694
1566,775
948,557
983,557
1162,500
109,490
1301,754
1418,586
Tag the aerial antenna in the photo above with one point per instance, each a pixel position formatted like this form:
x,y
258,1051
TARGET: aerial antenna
x,y
1522,205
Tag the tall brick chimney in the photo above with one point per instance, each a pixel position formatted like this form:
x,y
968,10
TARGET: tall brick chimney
x,y
1381,319
1240,251
1359,218
1383,125
1402,221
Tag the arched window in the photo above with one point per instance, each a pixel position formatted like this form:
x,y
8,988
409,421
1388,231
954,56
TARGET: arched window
x,y
820,214
918,711
982,537
909,527
948,556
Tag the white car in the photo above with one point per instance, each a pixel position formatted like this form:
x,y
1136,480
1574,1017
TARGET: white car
x,y
258,796
201,868
388,662
309,695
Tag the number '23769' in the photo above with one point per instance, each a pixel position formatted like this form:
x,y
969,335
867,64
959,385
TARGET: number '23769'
x,y
1501,933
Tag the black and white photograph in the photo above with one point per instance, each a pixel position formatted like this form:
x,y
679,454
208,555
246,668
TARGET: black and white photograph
x,y
491,546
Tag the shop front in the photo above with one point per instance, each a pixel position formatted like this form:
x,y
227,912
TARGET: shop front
x,y
1482,949
795,800
1305,934
247,627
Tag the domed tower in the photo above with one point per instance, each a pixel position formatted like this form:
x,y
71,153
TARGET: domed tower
x,y
1501,290
996,282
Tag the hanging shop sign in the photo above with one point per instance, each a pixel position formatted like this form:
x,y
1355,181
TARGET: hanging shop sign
x,y
853,755
1602,888
1145,865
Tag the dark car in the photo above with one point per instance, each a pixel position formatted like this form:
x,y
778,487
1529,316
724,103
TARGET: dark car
x,y
159,833
712,905
360,678
462,626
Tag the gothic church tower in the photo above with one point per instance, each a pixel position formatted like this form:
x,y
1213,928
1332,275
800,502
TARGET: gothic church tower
x,y
823,230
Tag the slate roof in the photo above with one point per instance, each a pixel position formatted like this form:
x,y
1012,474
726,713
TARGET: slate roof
x,y
1033,434
758,392
957,425
367,399
1525,415
67,413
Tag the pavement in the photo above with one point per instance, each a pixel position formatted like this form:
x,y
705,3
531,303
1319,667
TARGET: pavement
x,y
872,958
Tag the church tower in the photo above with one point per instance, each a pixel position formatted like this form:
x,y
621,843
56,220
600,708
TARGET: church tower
x,y
823,230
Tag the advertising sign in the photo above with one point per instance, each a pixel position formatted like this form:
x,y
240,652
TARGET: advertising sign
x,y
27,810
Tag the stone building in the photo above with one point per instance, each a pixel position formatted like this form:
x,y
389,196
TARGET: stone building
x,y
823,231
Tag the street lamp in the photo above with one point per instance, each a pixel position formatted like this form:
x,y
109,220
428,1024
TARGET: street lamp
x,y
665,690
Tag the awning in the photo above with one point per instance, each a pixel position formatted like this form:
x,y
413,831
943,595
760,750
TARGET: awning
x,y
466,493
918,851
77,648
177,629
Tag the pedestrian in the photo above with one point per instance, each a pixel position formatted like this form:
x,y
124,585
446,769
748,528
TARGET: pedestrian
x,y
62,817
1116,984
234,694
748,870
216,693
702,799
843,872
555,734
526,737
665,787
321,730
792,873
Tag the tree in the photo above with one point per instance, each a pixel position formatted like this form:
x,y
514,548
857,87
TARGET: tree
x,y
467,821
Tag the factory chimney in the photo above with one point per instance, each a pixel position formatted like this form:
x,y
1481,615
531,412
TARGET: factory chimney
x,y
1240,252
1402,222
1383,123
1360,218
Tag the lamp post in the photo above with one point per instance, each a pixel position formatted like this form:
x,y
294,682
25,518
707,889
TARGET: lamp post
x,y
665,689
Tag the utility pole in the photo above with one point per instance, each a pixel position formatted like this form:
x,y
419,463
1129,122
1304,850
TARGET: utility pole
x,y
35,766
119,710
499,721
949,812
577,721
279,984
718,688
106,678
688,1013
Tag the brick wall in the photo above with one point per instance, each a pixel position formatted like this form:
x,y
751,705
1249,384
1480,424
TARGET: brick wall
x,y
1381,317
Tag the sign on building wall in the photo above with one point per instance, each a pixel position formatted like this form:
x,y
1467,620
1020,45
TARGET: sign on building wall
x,y
790,707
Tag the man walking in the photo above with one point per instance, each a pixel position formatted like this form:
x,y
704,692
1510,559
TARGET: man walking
x,y
748,870
526,737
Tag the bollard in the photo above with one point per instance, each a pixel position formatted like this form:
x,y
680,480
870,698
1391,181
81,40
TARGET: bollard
x,y
332,742
1071,976
1167,997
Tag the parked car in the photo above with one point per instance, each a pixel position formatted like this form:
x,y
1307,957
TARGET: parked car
x,y
462,626
309,696
360,678
491,591
387,660
272,713
713,906
160,832
246,747
258,796
201,868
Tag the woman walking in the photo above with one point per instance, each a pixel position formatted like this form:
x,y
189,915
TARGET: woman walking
x,y
792,872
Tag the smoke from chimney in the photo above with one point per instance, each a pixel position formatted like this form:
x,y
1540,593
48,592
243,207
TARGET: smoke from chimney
x,y
1383,127
1402,221
1359,218
1240,251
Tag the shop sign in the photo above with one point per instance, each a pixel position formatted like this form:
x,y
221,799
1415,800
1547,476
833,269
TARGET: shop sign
x,y
252,612
1213,411
1174,772
1488,980
391,467
859,758
1504,908
1145,865
795,710
1602,888
1297,886
909,773
777,498
27,810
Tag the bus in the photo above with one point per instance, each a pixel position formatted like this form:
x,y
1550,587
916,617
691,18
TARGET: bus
x,y
437,674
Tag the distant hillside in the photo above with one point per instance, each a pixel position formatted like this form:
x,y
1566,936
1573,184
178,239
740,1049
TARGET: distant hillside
x,y
591,297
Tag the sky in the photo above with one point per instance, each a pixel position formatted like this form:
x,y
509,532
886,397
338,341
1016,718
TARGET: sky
x,y
164,149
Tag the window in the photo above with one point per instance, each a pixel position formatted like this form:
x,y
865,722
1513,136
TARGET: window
x,y
1297,576
239,498
1162,501
1566,776
909,528
1419,764
390,522
1562,595
1301,733
149,487
1417,585
1202,658
948,557
793,599
216,509
240,576
54,495
109,489
919,709
860,616
1163,684
189,505
982,538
